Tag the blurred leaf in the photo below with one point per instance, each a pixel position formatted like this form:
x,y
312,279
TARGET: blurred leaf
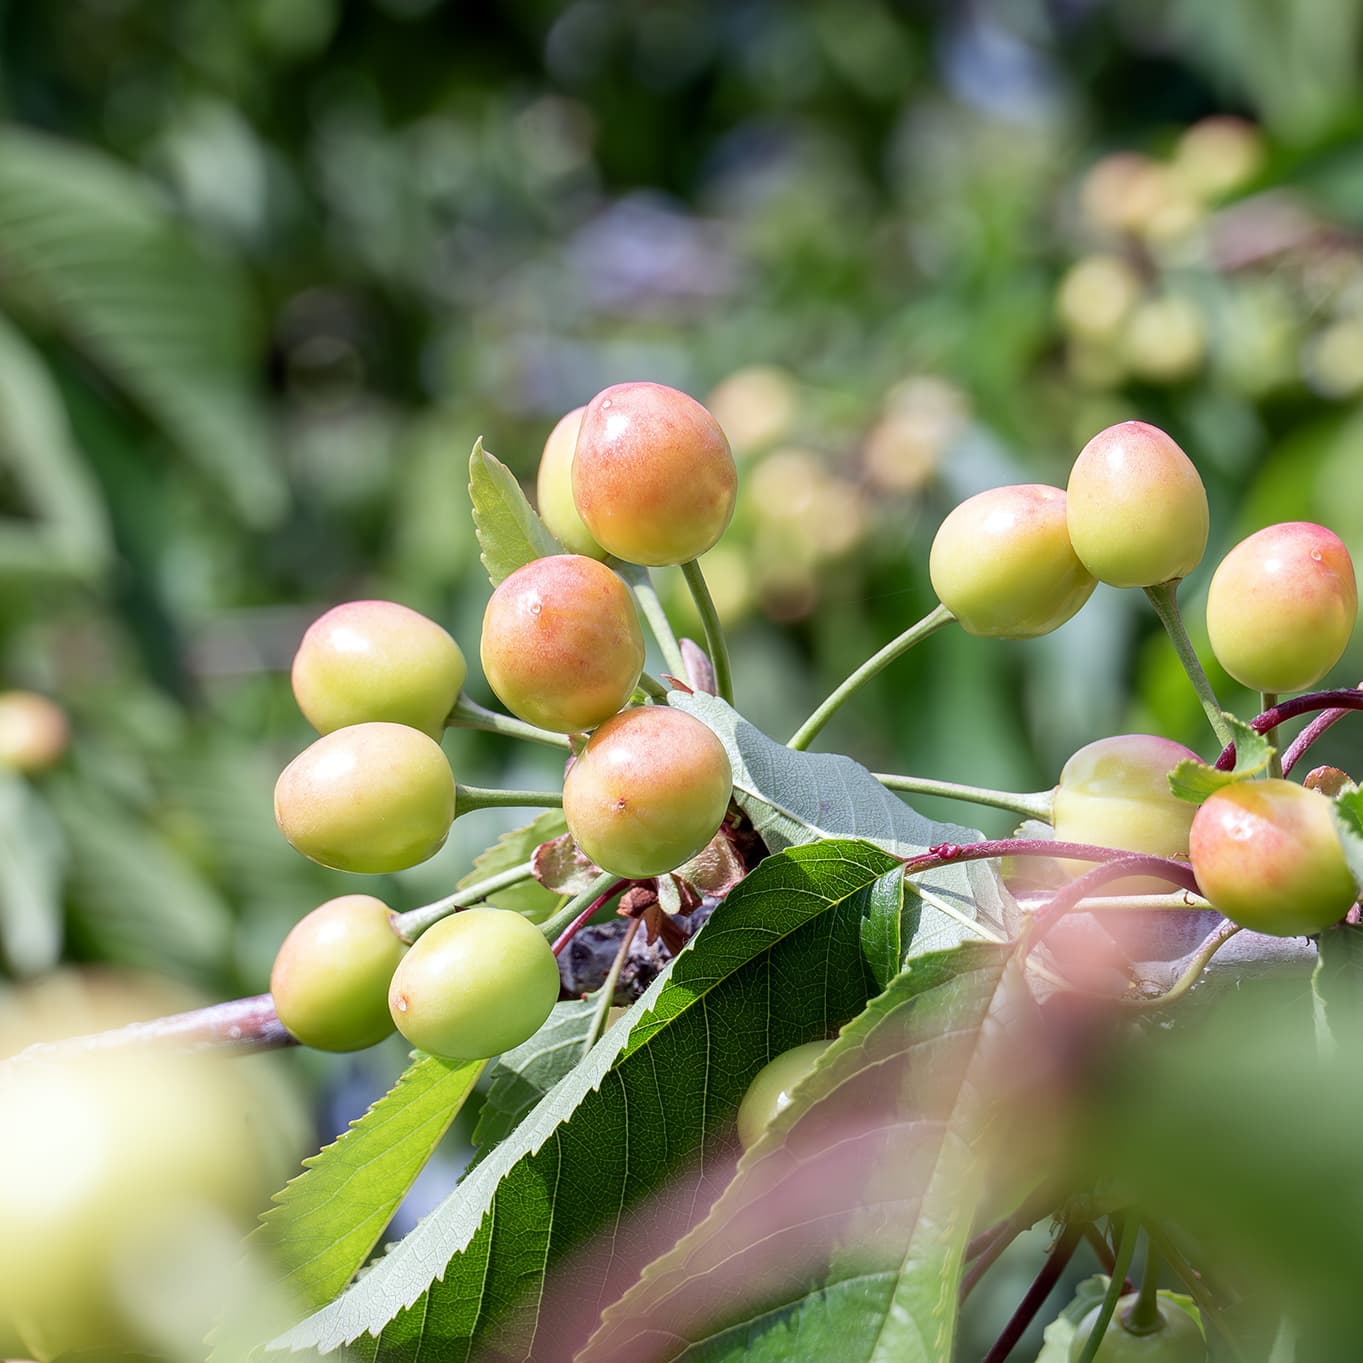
x,y
558,1216
133,899
1337,984
1194,781
1348,811
529,898
509,531
69,532
32,865
326,1221
845,1225
796,797
85,243
521,1077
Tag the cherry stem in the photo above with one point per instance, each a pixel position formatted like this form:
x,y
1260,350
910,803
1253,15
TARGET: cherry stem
x,y
1164,598
983,1251
1126,1249
1331,701
468,714
469,798
603,1004
1144,1316
875,664
652,687
578,911
241,1025
651,607
1057,1260
1218,938
1031,805
1102,1251
1297,748
1065,900
1267,700
409,926
714,632
949,853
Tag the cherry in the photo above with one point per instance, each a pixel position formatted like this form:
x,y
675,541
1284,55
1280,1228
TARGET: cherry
x,y
554,489
34,731
1137,508
1002,563
649,790
372,798
770,1091
475,984
1281,607
1266,854
1178,1339
653,476
377,660
330,979
562,646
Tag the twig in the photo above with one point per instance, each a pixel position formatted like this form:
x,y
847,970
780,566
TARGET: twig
x,y
1061,1252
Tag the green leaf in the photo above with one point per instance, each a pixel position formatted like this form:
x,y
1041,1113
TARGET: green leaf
x,y
521,1077
509,532
87,246
843,1231
32,867
69,532
605,1172
797,797
1349,825
1337,984
1194,781
529,898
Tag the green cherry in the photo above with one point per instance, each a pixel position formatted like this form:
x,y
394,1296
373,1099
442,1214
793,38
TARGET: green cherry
x,y
554,489
769,1093
1178,1339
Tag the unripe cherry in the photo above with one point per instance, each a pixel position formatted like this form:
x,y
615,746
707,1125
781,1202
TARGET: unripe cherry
x,y
34,731
475,984
371,798
1002,563
554,489
654,478
1137,508
1281,606
1266,854
769,1093
330,979
377,660
1178,1340
649,790
562,646
1115,793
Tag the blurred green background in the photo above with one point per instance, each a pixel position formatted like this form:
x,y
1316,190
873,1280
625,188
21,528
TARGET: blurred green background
x,y
268,269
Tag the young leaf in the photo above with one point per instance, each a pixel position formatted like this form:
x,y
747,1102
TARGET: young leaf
x,y
509,532
1194,781
616,1159
529,898
845,1225
328,1219
797,797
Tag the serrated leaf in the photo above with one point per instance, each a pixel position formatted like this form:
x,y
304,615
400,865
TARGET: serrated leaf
x,y
510,534
86,244
69,532
842,1233
521,1077
554,1220
327,1220
529,898
794,798
32,867
1194,781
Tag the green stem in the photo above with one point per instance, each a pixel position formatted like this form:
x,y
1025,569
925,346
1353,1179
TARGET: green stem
x,y
469,798
409,926
929,624
468,714
1269,699
1032,805
1144,1316
652,687
552,927
651,607
1164,598
1125,1250
1194,970
603,1004
714,633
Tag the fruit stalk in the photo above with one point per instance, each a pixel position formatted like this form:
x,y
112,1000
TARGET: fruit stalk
x,y
1126,1249
714,633
468,714
1057,1260
469,798
651,608
1164,598
1031,804
877,663
409,926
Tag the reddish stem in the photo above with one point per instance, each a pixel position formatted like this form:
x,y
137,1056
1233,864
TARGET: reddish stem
x,y
1177,872
588,914
1343,701
948,853
1057,1260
